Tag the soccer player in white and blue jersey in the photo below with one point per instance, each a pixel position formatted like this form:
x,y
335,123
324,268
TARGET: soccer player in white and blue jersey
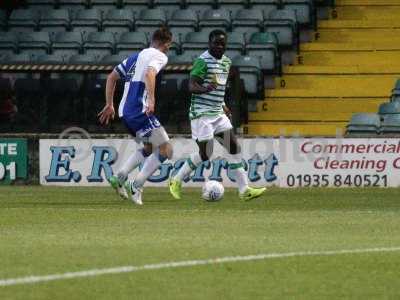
x,y
136,112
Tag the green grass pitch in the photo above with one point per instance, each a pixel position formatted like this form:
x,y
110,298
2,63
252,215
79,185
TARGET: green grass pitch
x,y
51,230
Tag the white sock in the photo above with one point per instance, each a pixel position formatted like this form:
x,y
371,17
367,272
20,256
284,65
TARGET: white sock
x,y
240,174
132,162
190,164
150,165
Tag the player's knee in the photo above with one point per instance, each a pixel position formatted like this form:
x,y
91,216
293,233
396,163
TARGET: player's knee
x,y
166,151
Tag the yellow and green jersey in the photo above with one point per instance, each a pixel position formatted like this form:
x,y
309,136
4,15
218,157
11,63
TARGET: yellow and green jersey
x,y
215,71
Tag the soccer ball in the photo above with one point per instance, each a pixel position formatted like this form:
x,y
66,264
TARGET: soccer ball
x,y
213,191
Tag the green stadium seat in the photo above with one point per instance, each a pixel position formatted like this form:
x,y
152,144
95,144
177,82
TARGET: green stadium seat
x,y
248,21
305,11
232,5
389,108
21,58
250,72
130,42
264,4
35,43
55,20
114,59
363,123
135,5
23,20
216,19
265,46
200,6
283,22
183,59
8,42
182,22
390,124
51,59
103,5
42,5
82,59
169,6
67,43
86,20
195,43
101,43
72,5
118,20
3,20
150,20
235,45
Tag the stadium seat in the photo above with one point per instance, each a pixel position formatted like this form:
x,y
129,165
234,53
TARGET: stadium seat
x,y
87,20
35,43
283,22
248,21
363,123
103,5
215,19
118,21
390,124
135,5
114,59
21,58
265,46
250,72
67,43
55,20
200,6
41,5
182,22
195,43
131,42
389,108
23,20
183,59
235,45
101,43
305,11
8,42
232,5
169,6
72,5
51,59
84,59
150,20
264,5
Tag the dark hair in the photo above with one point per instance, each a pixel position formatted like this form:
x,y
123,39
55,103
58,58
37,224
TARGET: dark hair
x,y
215,33
162,35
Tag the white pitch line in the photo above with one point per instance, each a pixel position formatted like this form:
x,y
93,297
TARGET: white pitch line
x,y
187,263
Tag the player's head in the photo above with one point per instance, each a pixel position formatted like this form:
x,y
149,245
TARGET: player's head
x,y
161,39
217,43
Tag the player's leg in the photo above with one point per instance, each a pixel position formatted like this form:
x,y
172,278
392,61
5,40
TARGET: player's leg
x,y
228,140
134,160
203,133
194,160
162,150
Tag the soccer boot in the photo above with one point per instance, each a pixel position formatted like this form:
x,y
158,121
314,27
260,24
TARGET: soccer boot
x,y
175,188
115,184
252,193
134,193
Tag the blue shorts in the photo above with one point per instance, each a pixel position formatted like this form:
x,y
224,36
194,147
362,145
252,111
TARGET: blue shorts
x,y
141,126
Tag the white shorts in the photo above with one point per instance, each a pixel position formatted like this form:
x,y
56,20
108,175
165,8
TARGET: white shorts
x,y
205,127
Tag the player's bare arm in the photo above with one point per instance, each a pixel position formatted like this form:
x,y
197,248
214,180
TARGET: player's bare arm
x,y
150,82
196,87
108,112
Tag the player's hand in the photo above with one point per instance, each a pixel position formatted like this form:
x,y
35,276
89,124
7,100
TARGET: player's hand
x,y
211,87
227,111
106,114
150,108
